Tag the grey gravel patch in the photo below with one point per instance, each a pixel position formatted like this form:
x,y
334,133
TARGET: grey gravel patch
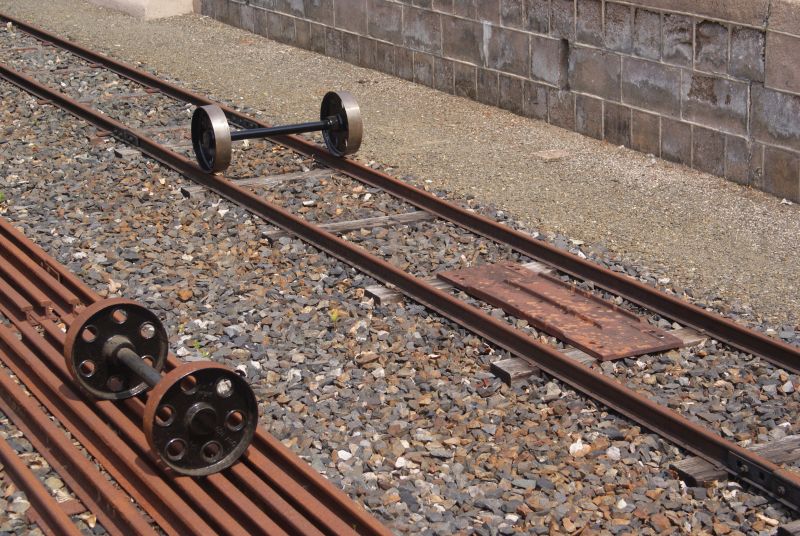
x,y
395,405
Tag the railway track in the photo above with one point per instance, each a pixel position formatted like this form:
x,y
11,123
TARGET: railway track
x,y
743,463
271,491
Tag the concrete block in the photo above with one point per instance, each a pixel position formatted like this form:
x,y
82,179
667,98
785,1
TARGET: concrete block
x,y
619,27
384,57
711,47
428,4
351,15
647,34
423,69
511,94
488,87
562,18
509,50
747,53
280,27
260,26
715,102
538,16
422,30
512,14
748,12
676,47
465,8
589,116
320,11
302,34
462,39
488,10
350,49
445,6
783,62
782,173
646,132
404,63
676,141
465,80
247,18
264,4
385,21
561,108
549,60
742,160
333,44
775,117
534,100
290,7
589,23
443,75
318,38
650,85
596,72
708,150
784,16
617,124
207,8
367,52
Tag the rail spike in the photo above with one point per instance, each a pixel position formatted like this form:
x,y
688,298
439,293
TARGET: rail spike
x,y
199,418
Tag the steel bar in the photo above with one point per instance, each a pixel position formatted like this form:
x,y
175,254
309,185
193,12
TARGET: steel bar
x,y
716,326
53,518
110,505
782,484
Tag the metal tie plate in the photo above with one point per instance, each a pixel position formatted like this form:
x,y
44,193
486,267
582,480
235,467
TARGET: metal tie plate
x,y
596,326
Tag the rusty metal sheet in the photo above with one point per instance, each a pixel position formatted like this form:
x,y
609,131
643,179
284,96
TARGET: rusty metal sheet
x,y
596,326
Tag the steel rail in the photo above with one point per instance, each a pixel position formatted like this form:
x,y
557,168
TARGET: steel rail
x,y
272,484
53,519
747,465
773,350
111,506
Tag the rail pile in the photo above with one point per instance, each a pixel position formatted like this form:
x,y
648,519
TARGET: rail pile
x,y
269,491
743,463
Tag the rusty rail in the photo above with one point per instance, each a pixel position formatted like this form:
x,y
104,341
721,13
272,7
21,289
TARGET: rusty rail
x,y
716,326
784,485
271,492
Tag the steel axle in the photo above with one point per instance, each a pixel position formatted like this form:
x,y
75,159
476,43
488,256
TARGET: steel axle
x,y
199,417
340,124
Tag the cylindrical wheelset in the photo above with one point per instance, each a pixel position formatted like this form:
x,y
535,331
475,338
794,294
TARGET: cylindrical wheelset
x,y
199,417
340,124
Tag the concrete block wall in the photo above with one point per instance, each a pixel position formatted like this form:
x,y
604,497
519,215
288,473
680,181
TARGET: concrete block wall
x,y
710,84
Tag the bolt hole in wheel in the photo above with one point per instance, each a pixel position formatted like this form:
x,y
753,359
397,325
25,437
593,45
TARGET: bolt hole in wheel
x,y
147,331
165,415
175,450
119,316
100,345
89,334
115,384
211,451
189,385
224,388
87,368
234,421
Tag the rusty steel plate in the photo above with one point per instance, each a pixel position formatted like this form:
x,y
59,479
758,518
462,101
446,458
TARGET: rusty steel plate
x,y
596,326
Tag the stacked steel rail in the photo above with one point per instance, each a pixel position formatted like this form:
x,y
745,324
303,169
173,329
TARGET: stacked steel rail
x,y
271,491
747,465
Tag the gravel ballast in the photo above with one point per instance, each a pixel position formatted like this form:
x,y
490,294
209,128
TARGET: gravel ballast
x,y
394,404
709,235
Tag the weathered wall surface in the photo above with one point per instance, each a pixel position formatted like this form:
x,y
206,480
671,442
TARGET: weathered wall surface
x,y
713,84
